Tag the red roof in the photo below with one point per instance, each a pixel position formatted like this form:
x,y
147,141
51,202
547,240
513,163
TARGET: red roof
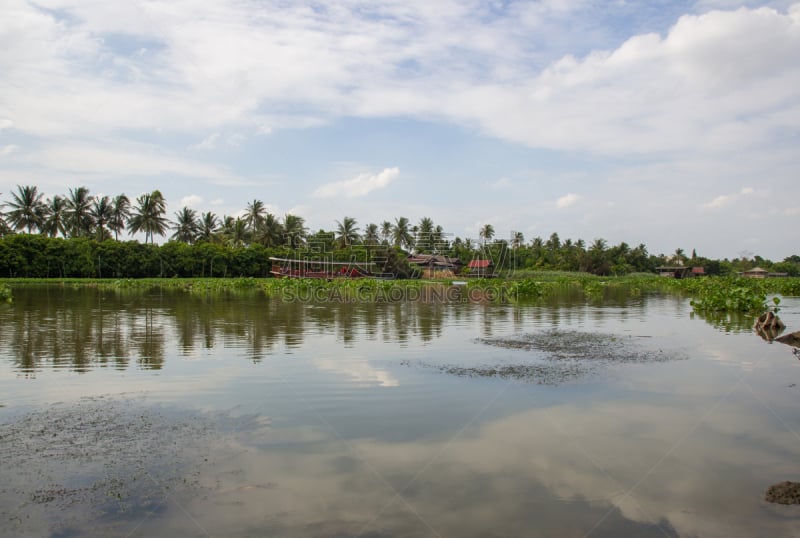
x,y
698,271
479,264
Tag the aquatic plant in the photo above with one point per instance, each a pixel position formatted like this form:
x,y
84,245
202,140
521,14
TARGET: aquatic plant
x,y
729,295
5,294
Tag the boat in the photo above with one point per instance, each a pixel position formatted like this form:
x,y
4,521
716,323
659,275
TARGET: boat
x,y
315,268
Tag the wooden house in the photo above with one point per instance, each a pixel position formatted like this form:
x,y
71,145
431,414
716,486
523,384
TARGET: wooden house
x,y
755,272
677,271
481,268
435,265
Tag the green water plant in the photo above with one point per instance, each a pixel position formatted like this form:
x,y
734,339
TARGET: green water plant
x,y
728,295
5,294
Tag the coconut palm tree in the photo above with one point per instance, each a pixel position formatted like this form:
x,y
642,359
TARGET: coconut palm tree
x,y
255,214
386,230
679,258
294,229
120,212
101,213
235,231
346,232
598,245
270,233
371,235
517,240
185,226
5,229
401,235
486,233
55,218
148,216
425,231
207,227
438,238
79,213
27,208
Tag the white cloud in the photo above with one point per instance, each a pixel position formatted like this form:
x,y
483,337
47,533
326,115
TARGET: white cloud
x,y
499,184
6,123
568,200
726,199
720,201
715,81
193,200
360,185
8,150
217,202
207,144
121,162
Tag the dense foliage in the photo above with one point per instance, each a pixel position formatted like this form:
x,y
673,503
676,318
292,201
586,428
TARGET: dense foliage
x,y
78,235
6,295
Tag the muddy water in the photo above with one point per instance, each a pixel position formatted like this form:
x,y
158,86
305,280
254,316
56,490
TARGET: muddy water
x,y
160,413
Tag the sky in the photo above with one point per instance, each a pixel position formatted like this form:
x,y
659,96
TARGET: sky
x,y
673,124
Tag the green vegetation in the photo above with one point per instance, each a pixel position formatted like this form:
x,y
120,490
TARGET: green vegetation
x,y
708,295
70,236
726,295
5,294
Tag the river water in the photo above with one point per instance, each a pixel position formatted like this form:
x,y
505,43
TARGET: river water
x,y
167,413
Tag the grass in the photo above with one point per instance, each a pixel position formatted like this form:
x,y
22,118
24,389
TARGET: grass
x,y
708,294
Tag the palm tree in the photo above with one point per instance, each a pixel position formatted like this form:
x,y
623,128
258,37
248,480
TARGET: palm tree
x,y
26,208
371,236
5,229
401,235
347,232
148,216
79,212
270,232
185,226
386,230
255,214
235,231
207,227
425,232
518,240
679,258
294,229
54,217
486,233
598,258
599,246
102,213
120,212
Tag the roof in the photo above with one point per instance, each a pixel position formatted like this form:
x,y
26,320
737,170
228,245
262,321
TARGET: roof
x,y
479,264
433,259
756,270
698,271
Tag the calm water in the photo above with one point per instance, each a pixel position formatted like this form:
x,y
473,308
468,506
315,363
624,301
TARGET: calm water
x,y
238,415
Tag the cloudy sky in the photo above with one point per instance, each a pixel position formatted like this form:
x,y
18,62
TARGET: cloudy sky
x,y
669,123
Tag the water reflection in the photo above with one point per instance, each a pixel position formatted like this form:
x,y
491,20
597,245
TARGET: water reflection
x,y
82,328
354,443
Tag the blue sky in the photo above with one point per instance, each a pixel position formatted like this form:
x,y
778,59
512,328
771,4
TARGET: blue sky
x,y
674,124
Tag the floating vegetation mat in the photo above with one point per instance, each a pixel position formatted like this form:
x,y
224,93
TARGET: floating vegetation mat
x,y
784,493
557,356
104,463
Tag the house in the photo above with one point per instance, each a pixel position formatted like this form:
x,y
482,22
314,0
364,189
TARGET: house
x,y
698,271
674,271
756,272
435,265
481,268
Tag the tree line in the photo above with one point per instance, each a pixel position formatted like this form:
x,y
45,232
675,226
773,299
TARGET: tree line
x,y
79,235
